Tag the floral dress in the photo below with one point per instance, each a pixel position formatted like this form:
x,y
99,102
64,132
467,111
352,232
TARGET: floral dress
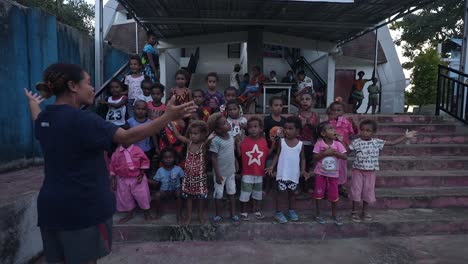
x,y
181,98
195,183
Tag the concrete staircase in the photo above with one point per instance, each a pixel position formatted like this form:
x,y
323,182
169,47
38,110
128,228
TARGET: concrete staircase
x,y
422,189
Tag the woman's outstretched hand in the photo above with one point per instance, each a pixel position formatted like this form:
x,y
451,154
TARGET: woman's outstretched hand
x,y
175,112
34,100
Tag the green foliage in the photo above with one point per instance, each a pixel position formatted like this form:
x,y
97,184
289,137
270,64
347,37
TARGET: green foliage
x,y
424,79
423,29
76,13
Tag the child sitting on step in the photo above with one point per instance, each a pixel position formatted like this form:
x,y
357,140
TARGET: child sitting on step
x,y
290,166
327,153
366,163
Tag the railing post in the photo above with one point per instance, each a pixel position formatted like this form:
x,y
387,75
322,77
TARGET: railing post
x,y
439,94
98,65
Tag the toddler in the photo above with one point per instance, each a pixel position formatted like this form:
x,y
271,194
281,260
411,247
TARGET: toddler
x,y
133,82
127,169
140,111
290,166
146,86
199,99
237,122
213,98
366,163
222,150
168,179
156,108
117,104
230,93
253,151
327,152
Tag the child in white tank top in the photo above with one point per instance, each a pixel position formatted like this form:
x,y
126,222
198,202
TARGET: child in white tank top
x,y
290,166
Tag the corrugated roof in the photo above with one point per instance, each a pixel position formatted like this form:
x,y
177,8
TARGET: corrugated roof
x,y
315,20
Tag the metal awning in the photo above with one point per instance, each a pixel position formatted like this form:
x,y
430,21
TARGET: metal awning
x,y
325,21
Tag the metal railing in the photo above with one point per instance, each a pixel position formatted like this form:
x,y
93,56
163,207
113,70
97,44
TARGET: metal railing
x,y
193,62
300,63
452,92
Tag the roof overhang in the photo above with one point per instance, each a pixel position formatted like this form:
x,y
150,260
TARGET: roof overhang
x,y
327,21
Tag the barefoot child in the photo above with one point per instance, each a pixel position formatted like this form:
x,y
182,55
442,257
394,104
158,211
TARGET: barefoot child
x,y
254,151
127,169
327,152
168,178
344,127
290,159
195,184
222,150
367,149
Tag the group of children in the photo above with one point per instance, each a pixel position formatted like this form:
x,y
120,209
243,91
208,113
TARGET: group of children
x,y
299,152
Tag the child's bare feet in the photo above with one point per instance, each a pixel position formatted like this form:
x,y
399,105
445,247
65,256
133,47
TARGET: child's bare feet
x,y
126,218
148,216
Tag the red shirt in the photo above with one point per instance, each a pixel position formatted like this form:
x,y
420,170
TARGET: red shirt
x,y
254,154
155,111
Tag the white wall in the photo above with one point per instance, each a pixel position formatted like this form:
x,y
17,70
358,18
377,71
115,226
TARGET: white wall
x,y
213,57
279,65
349,63
169,63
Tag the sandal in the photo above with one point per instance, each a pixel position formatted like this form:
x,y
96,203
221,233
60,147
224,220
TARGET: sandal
x,y
235,220
366,217
217,219
259,215
338,221
355,217
320,220
244,217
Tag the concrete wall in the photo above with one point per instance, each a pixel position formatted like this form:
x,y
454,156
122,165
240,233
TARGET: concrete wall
x,y
214,57
30,40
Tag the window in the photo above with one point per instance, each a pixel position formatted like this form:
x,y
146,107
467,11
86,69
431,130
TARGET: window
x,y
234,51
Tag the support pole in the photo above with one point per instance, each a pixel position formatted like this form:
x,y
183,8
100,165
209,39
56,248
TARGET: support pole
x,y
464,61
136,38
374,72
98,40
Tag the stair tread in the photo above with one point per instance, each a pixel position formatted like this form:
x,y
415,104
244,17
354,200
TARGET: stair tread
x,y
383,157
420,191
382,216
419,173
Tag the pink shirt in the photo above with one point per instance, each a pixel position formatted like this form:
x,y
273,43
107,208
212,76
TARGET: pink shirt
x,y
343,127
128,162
328,166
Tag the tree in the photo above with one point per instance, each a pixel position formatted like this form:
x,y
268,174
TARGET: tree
x,y
435,23
75,13
424,79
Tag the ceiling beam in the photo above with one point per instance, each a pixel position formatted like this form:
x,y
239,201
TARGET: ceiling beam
x,y
251,22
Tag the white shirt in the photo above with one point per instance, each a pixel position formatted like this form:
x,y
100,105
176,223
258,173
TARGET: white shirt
x,y
235,125
116,115
367,153
145,98
307,82
289,162
233,80
134,86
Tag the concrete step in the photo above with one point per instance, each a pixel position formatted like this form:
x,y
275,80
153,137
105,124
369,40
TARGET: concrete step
x,y
408,222
399,163
414,178
430,138
421,128
426,150
419,119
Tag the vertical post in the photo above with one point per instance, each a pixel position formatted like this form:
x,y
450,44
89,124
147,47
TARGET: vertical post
x,y
136,38
439,94
464,54
374,72
98,39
